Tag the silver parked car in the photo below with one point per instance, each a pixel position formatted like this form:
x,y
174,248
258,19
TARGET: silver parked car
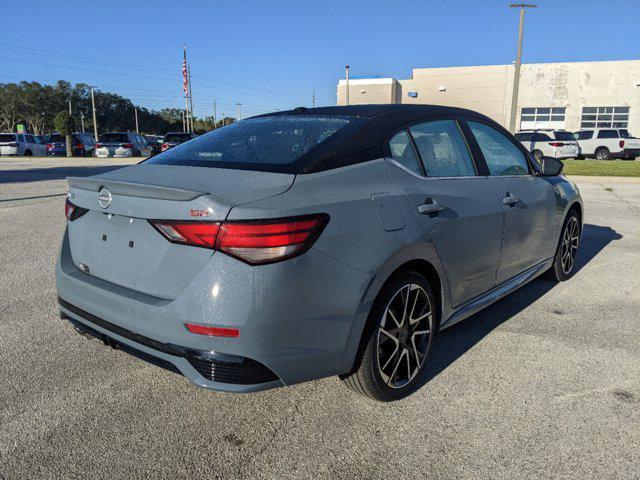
x,y
314,242
122,144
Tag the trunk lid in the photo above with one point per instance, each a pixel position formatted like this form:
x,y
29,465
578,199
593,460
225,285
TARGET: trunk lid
x,y
115,242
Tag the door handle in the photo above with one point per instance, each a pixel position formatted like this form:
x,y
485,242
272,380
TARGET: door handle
x,y
510,199
430,206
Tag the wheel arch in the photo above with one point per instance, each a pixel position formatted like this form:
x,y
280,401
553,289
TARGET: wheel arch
x,y
419,265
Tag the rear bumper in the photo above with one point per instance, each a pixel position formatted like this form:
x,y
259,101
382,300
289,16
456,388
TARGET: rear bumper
x,y
207,369
296,318
630,153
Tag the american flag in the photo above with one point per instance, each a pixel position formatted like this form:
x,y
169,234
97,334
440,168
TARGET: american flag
x,y
185,79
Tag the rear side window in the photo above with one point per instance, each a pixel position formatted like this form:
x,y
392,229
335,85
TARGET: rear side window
x,y
607,134
114,138
624,133
564,136
524,137
541,137
585,135
442,148
177,137
503,157
7,138
403,153
263,143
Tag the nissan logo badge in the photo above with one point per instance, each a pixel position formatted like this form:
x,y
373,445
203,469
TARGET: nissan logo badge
x,y
104,198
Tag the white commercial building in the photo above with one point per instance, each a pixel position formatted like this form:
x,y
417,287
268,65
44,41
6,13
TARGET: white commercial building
x,y
569,96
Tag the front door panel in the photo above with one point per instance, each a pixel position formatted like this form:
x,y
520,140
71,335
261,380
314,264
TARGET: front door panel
x,y
529,224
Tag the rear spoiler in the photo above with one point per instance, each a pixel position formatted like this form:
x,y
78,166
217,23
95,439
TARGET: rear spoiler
x,y
131,189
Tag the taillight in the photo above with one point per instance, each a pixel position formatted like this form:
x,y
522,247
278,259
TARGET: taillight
x,y
198,234
556,144
621,143
165,146
254,242
79,146
98,145
212,331
127,145
49,146
72,212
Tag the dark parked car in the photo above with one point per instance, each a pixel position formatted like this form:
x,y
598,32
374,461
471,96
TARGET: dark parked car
x,y
155,142
172,139
83,145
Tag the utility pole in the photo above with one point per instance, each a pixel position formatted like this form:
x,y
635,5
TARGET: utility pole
x,y
95,122
190,95
215,121
70,108
238,114
347,93
82,120
516,69
313,99
135,111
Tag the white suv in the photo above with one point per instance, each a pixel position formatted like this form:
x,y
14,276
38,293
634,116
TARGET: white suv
x,y
607,143
21,144
549,143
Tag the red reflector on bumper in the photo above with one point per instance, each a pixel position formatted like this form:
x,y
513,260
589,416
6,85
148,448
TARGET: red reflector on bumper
x,y
212,331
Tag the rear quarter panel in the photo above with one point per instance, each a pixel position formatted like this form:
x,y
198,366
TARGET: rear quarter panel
x,y
354,236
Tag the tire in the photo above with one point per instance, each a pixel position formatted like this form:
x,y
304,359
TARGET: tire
x,y
538,155
564,262
28,153
603,153
391,368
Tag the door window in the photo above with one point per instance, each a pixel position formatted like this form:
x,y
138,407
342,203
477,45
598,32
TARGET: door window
x,y
30,139
607,134
503,157
403,153
442,148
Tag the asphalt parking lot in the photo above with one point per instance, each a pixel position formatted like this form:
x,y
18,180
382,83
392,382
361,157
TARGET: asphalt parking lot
x,y
543,384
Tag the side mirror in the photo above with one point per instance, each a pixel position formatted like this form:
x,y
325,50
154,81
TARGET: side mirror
x,y
551,166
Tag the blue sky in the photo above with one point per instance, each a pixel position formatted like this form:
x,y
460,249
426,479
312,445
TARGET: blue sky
x,y
273,54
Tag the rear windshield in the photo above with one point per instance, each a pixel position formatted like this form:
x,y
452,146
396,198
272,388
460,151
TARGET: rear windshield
x,y
263,143
565,136
114,138
7,138
177,137
56,137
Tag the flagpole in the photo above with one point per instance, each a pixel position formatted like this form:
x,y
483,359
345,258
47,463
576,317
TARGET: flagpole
x,y
185,88
190,95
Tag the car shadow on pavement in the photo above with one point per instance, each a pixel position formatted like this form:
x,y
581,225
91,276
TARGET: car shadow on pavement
x,y
53,173
458,339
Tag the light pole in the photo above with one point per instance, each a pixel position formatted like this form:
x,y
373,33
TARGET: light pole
x,y
516,70
347,82
95,122
238,113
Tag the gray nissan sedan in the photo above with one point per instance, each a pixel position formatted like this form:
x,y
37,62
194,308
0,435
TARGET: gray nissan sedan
x,y
329,241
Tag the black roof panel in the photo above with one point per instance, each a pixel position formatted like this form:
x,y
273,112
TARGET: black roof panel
x,y
366,143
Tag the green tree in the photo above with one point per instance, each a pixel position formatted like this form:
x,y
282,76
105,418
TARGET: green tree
x,y
64,124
